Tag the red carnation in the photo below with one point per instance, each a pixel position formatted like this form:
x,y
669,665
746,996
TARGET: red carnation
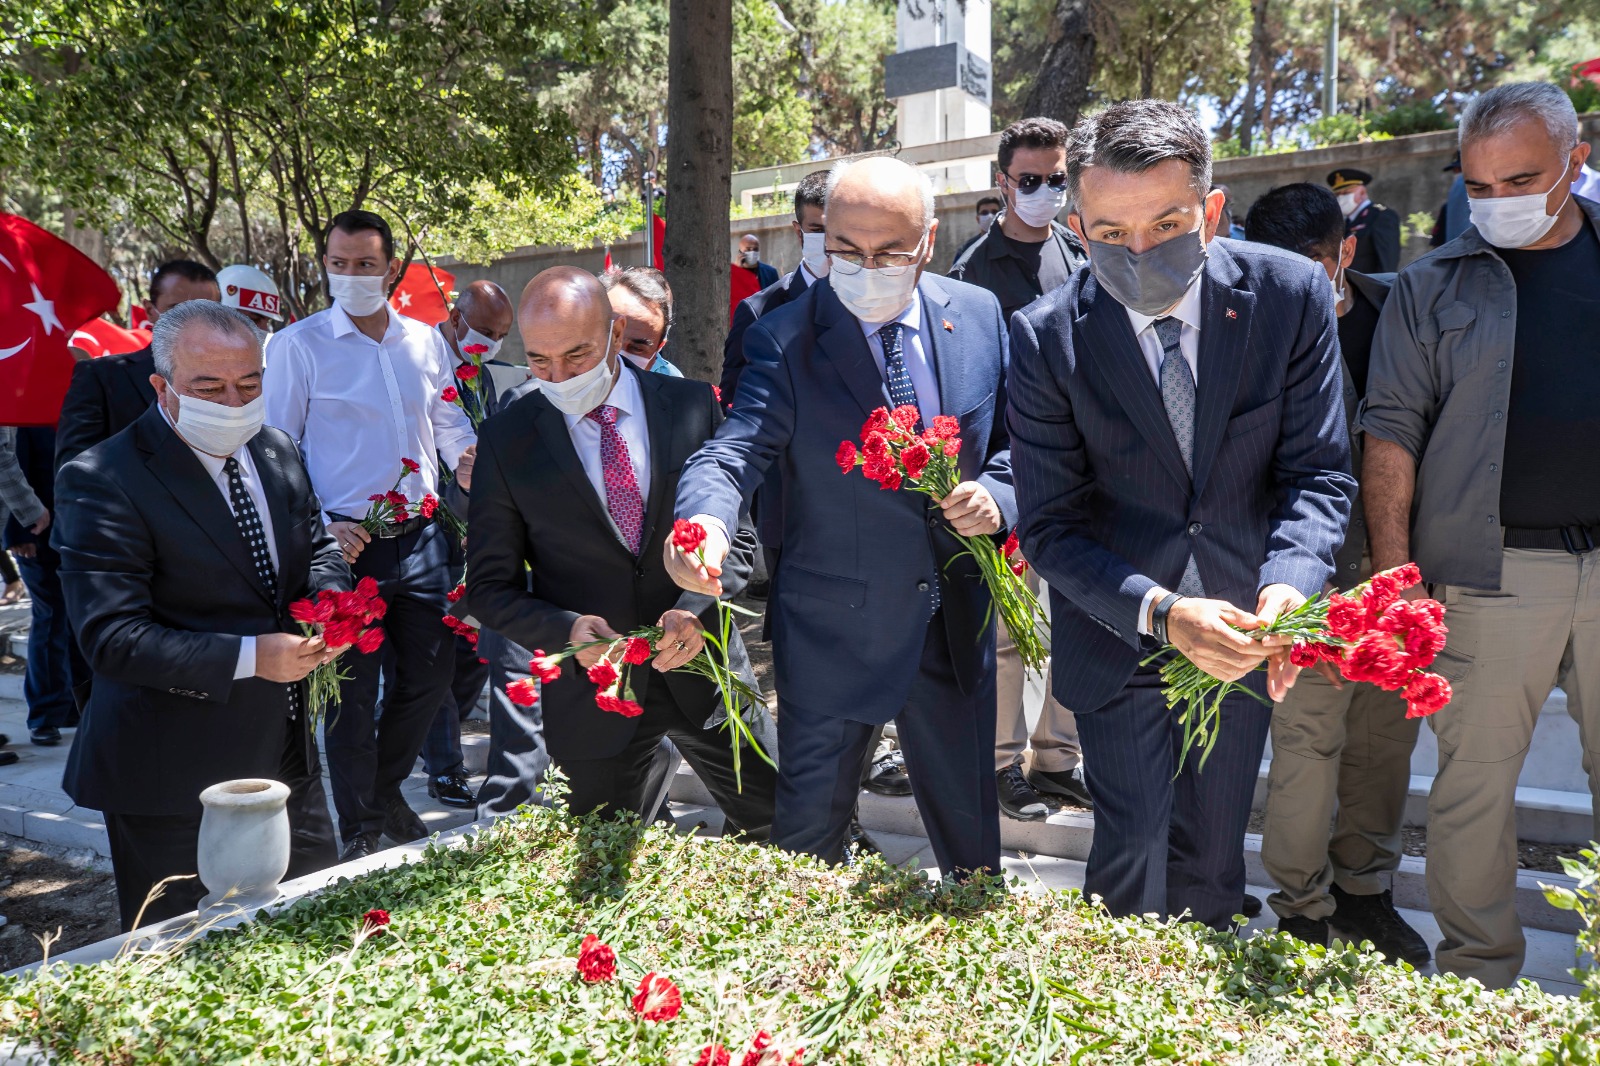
x,y
596,960
875,446
1378,659
688,536
952,447
891,480
916,459
1426,694
876,422
945,426
543,667
311,612
712,1055
602,674
1346,618
367,588
475,349
411,465
374,921
341,632
658,999
1382,591
845,456
450,395
369,641
617,705
429,504
717,392
455,594
1408,576
524,692
1011,546
636,652
905,416
758,1046
1303,655
466,372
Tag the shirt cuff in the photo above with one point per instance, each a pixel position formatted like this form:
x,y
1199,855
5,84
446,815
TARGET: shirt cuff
x,y
713,522
1154,595
246,666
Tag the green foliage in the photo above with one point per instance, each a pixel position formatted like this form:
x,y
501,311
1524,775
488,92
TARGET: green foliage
x,y
1419,225
1582,1044
1419,116
870,966
771,122
847,42
1340,128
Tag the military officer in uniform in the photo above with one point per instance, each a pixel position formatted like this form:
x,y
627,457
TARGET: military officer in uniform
x,y
1376,228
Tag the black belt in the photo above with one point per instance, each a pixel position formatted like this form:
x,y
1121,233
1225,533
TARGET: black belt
x,y
1572,539
386,532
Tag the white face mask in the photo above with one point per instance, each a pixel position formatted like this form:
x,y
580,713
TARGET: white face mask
x,y
216,428
985,220
872,295
811,253
577,396
750,259
1347,203
468,337
1039,207
1516,221
359,294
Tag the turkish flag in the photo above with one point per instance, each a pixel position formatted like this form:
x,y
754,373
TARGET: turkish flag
x,y
419,294
659,228
138,317
99,337
1586,71
47,289
741,283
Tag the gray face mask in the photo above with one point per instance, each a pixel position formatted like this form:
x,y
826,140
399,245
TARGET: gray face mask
x,y
1153,280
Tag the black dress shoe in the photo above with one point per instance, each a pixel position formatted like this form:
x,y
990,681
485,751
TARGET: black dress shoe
x,y
888,776
401,824
46,736
1309,930
857,843
8,757
362,845
1374,918
1018,798
1067,784
1250,907
452,790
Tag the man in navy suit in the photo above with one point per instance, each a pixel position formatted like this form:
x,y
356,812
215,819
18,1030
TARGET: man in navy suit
x,y
875,614
1182,471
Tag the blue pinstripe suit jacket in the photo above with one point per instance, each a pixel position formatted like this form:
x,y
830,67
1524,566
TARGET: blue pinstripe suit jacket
x,y
1105,506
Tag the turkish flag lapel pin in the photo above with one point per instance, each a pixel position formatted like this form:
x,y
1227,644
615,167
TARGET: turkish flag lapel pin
x,y
948,328
1231,313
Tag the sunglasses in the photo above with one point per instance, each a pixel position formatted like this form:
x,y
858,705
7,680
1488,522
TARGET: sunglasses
x,y
1029,183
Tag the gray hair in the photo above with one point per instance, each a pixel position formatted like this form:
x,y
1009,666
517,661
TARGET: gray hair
x,y
1504,107
924,185
1133,136
165,333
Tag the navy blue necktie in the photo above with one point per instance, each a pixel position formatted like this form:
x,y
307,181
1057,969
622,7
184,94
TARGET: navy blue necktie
x,y
901,391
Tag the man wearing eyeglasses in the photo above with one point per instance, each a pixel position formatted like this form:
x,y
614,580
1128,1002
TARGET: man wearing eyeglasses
x,y
877,614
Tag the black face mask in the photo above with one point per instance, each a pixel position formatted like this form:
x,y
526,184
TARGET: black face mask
x,y
1153,280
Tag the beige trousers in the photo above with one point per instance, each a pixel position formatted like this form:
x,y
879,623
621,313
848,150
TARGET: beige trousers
x,y
1339,757
1055,737
1506,651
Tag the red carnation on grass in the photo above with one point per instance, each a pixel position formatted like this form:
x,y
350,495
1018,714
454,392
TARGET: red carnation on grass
x,y
475,349
1378,659
524,692
543,667
1426,694
636,651
596,961
688,536
905,416
758,1047
429,505
945,427
658,999
916,459
617,705
845,456
455,594
466,372
712,1055
603,674
374,920
411,465
450,395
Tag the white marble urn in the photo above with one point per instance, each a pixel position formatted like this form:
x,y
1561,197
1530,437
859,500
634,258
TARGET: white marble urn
x,y
244,843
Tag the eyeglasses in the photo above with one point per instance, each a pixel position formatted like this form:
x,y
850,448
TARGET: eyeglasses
x,y
1029,183
893,264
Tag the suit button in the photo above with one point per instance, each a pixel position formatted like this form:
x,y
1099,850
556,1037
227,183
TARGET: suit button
x,y
1194,529
933,523
922,586
638,571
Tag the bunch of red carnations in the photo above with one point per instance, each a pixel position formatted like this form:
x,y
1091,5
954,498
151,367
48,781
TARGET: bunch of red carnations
x,y
894,455
470,397
392,507
1370,634
344,619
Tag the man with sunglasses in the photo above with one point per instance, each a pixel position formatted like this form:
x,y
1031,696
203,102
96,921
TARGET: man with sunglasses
x,y
1026,253
877,614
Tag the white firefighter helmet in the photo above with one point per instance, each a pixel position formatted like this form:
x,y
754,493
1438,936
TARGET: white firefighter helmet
x,y
248,289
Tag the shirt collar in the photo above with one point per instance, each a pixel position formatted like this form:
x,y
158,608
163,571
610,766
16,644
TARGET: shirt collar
x,y
626,395
806,277
344,325
909,319
1187,311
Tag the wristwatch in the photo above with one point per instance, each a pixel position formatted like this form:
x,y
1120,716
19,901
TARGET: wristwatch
x,y
1158,617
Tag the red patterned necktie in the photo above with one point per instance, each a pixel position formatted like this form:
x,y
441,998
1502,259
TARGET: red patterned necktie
x,y
622,488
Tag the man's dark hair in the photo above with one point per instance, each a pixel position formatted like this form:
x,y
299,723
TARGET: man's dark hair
x,y
1030,133
995,200
1132,136
1303,217
353,222
811,192
646,283
187,269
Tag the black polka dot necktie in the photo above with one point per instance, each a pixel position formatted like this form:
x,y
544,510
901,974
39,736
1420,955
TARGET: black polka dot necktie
x,y
255,541
902,393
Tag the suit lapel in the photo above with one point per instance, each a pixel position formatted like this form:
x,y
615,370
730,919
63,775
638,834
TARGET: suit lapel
x,y
275,487
659,424
1111,346
840,339
557,441
176,467
1225,316
959,391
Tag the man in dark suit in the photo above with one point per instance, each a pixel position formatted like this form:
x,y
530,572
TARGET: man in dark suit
x,y
1177,423
183,541
876,615
1376,228
572,488
110,393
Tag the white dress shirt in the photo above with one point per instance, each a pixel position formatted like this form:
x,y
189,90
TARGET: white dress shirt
x,y
919,364
1587,183
1187,312
358,406
628,399
246,666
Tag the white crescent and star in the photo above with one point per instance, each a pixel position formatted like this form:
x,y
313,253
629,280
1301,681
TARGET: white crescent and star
x,y
404,298
44,309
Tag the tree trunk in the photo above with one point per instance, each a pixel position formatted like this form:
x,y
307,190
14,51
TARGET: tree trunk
x,y
1257,70
699,171
1061,90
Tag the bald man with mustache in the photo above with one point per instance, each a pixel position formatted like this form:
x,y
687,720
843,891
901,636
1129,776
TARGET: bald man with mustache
x,y
571,497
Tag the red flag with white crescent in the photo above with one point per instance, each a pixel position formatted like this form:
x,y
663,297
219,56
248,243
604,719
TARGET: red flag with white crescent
x,y
47,290
99,337
421,294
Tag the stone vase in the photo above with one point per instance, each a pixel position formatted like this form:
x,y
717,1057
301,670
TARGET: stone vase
x,y
244,842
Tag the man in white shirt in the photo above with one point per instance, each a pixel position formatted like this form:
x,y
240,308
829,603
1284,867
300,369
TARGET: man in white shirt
x,y
361,390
